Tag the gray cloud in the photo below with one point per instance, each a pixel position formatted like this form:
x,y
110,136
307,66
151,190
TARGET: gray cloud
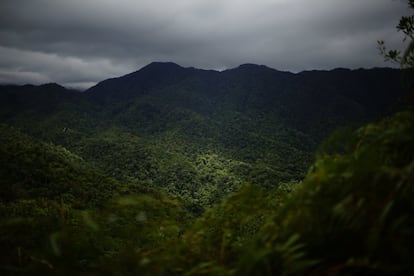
x,y
80,42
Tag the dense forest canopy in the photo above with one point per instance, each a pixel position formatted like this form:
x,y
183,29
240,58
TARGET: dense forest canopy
x,y
249,171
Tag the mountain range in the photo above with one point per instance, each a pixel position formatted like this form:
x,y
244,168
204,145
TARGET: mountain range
x,y
173,128
171,170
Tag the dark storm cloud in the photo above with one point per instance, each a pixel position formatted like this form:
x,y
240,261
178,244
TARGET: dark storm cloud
x,y
78,43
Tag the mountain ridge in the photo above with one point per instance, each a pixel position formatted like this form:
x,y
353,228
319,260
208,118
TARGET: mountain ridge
x,y
252,86
173,64
243,66
256,124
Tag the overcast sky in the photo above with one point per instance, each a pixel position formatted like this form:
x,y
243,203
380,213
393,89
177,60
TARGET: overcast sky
x,y
79,42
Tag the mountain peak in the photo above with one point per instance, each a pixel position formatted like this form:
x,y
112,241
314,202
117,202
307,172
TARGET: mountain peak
x,y
157,68
256,68
162,65
252,66
52,85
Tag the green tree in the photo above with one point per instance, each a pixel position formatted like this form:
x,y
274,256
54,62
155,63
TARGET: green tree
x,y
405,59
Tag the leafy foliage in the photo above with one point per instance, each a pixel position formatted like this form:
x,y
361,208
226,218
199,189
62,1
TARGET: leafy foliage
x,y
173,170
406,25
59,214
352,213
32,169
197,135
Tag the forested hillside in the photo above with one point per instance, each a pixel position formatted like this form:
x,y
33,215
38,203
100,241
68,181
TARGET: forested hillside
x,y
196,134
352,214
173,170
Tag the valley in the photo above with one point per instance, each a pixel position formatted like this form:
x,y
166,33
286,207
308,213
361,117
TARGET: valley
x,y
169,170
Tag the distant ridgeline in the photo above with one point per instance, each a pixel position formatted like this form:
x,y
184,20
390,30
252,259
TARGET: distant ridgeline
x,y
172,171
199,134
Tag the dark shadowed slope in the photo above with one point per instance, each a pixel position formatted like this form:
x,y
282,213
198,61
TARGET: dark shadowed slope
x,y
303,100
198,134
